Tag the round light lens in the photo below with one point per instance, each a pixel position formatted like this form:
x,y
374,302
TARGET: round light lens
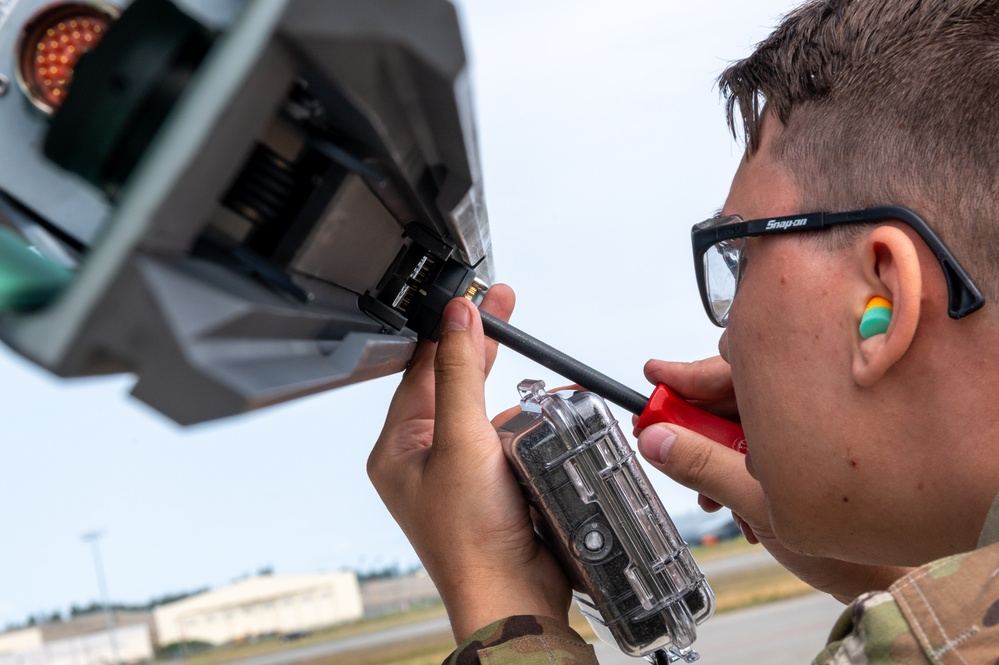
x,y
50,45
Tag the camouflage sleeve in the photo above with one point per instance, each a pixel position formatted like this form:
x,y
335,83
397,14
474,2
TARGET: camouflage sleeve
x,y
942,613
524,640
871,631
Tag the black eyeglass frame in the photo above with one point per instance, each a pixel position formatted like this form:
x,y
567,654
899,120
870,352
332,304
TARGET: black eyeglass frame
x,y
964,297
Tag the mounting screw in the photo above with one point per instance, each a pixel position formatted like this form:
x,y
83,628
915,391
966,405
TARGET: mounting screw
x,y
4,85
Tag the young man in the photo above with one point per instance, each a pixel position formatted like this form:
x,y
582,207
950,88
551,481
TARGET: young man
x,y
859,358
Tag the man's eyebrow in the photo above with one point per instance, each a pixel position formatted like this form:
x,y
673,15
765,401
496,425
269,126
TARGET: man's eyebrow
x,y
717,213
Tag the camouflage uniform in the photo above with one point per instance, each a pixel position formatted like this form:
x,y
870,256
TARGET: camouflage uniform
x,y
942,613
524,640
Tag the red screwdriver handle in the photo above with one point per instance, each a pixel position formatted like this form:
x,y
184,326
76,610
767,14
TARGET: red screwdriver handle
x,y
665,406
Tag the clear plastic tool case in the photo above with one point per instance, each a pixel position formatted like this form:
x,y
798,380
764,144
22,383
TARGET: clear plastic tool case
x,y
635,580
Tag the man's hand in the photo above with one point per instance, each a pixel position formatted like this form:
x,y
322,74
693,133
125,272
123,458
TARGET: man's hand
x,y
719,475
440,469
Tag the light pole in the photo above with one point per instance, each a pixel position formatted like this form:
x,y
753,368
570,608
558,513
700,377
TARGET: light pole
x,y
92,538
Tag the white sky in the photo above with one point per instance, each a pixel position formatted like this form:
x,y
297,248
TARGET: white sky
x,y
603,140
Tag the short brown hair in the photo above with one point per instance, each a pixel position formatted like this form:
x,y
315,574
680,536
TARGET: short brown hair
x,y
886,102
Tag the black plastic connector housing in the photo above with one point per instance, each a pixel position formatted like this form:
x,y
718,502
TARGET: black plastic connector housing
x,y
420,282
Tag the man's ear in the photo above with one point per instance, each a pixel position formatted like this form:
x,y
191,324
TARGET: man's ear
x,y
889,266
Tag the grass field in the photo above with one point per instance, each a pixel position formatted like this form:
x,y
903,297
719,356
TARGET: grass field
x,y
732,591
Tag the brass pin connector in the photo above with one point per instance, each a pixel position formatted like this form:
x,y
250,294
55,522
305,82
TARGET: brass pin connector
x,y
476,291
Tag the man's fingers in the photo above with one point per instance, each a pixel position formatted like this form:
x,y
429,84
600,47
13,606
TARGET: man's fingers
x,y
715,471
706,383
710,378
747,531
414,398
708,505
499,302
460,376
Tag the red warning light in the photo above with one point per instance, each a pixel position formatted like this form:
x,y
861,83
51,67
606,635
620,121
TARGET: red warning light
x,y
51,44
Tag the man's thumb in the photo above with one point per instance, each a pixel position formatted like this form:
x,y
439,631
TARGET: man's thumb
x,y
459,368
699,463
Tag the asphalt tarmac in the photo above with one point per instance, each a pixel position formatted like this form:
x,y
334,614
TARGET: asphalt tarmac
x,y
788,632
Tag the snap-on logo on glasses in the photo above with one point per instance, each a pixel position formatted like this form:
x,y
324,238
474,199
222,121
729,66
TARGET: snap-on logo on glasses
x,y
786,223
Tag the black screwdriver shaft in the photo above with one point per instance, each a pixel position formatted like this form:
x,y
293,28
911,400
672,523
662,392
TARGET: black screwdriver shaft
x,y
567,366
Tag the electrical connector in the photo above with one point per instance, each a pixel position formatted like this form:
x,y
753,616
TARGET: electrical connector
x,y
420,282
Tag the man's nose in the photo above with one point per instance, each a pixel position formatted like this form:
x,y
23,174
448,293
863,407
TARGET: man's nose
x,y
723,345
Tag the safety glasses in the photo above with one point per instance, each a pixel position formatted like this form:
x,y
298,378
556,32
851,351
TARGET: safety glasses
x,y
719,254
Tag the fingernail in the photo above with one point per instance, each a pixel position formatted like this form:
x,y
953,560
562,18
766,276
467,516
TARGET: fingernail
x,y
655,442
455,318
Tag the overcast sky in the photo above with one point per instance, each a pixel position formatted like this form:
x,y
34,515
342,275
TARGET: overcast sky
x,y
602,140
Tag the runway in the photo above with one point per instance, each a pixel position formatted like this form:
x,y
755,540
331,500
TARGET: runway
x,y
789,631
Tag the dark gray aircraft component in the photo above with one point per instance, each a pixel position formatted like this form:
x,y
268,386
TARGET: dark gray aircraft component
x,y
252,209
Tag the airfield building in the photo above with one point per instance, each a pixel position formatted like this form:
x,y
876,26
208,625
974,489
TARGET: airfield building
x,y
81,641
261,606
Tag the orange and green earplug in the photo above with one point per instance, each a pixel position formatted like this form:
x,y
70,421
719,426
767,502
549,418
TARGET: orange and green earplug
x,y
877,316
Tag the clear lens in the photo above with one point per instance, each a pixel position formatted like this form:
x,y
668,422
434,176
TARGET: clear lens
x,y
723,263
